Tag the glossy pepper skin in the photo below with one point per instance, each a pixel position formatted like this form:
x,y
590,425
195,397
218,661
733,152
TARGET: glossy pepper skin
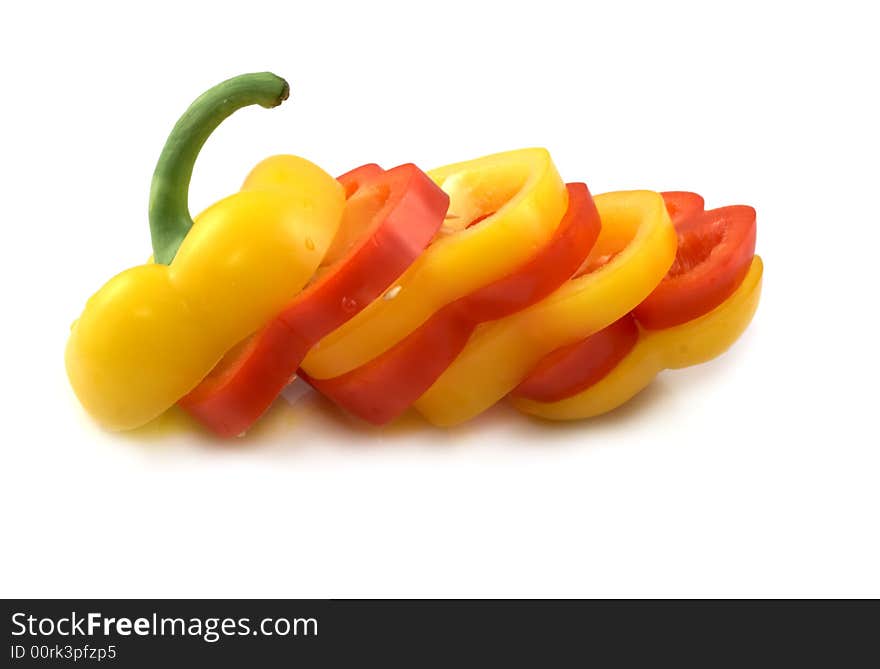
x,y
518,198
387,385
703,304
691,343
388,220
152,332
573,368
570,369
715,250
636,234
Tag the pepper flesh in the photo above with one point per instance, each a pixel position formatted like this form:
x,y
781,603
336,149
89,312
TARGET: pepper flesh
x,y
387,385
638,235
152,332
518,198
573,368
690,343
715,251
570,369
389,218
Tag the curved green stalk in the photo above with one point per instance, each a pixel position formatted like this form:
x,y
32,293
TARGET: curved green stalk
x,y
169,191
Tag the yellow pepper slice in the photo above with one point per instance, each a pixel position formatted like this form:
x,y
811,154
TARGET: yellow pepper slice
x,y
520,198
637,232
690,343
154,331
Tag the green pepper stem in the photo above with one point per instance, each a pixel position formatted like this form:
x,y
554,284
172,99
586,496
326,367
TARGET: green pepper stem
x,y
169,192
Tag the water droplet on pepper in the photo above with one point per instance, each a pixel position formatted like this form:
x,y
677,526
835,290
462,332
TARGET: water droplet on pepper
x,y
391,294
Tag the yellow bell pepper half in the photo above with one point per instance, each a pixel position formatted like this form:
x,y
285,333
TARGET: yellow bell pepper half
x,y
637,232
151,333
690,343
518,198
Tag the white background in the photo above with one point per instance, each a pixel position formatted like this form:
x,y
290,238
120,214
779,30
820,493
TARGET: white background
x,y
753,475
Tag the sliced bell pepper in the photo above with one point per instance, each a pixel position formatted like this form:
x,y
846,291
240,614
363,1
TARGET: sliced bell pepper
x,y
389,218
711,248
681,205
387,385
715,251
690,343
154,331
570,369
640,240
520,197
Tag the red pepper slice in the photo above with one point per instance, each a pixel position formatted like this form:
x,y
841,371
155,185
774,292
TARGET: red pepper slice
x,y
715,250
573,368
353,179
386,386
682,205
390,217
